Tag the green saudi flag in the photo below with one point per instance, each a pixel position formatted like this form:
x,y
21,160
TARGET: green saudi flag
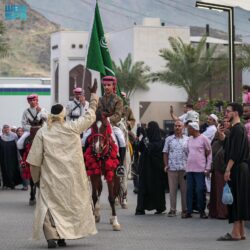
x,y
98,58
98,54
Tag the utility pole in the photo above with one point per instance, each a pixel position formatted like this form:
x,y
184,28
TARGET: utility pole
x,y
207,48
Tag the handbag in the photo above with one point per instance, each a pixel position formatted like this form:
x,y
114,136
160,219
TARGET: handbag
x,y
227,197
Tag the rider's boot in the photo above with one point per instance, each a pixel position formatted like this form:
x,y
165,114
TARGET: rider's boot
x,y
122,152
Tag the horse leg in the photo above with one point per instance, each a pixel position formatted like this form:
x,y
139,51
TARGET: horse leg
x,y
113,218
96,192
124,181
32,193
116,189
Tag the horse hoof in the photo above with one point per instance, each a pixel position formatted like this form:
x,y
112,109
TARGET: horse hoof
x,y
116,201
116,227
97,218
111,220
124,204
32,202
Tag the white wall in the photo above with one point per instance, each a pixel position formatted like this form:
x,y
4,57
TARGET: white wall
x,y
120,44
67,57
12,108
13,105
144,42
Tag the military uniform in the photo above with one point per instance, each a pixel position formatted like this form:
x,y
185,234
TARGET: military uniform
x,y
31,116
111,105
75,109
128,115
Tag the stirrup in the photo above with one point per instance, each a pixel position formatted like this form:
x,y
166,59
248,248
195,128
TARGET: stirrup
x,y
120,171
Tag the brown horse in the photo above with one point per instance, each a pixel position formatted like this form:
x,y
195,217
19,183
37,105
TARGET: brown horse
x,y
101,159
35,126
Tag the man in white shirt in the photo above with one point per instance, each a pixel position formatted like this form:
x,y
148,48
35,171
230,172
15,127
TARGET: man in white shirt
x,y
210,131
175,160
181,118
188,115
32,116
78,106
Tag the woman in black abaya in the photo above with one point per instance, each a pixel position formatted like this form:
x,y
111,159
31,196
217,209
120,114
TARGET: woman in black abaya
x,y
151,192
9,159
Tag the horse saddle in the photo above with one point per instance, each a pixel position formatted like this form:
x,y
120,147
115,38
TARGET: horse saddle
x,y
120,171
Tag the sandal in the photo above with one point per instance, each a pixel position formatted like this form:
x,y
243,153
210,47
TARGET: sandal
x,y
243,237
228,237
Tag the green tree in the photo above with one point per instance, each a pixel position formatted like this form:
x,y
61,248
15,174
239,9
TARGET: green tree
x,y
244,56
3,42
132,76
188,66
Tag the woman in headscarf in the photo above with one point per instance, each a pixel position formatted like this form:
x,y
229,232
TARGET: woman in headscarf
x,y
216,208
9,159
151,192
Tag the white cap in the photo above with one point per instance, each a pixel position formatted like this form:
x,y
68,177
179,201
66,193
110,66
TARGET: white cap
x,y
194,125
215,117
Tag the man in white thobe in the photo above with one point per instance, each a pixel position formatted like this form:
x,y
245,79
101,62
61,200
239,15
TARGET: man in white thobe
x,y
63,208
210,131
77,107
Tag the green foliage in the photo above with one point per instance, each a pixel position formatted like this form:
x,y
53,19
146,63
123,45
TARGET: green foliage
x,y
3,42
214,106
132,76
244,56
188,66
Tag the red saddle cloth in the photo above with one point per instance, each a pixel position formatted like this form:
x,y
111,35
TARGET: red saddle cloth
x,y
105,162
24,164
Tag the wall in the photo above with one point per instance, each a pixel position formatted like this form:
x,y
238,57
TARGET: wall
x,y
144,43
67,58
14,103
159,111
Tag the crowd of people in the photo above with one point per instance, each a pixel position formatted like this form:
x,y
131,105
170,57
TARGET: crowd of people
x,y
50,149
198,161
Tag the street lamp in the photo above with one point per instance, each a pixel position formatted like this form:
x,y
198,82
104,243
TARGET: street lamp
x,y
230,11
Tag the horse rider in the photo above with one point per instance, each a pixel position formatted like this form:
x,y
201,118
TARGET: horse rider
x,y
78,106
32,119
127,123
32,116
127,113
111,106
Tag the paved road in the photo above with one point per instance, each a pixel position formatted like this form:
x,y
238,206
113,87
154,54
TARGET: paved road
x,y
148,232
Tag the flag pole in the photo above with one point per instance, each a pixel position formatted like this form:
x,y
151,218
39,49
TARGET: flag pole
x,y
87,45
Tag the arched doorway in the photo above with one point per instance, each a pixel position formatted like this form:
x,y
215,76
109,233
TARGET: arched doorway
x,y
76,79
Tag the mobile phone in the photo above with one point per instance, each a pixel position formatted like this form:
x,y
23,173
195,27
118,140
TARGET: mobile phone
x,y
221,124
